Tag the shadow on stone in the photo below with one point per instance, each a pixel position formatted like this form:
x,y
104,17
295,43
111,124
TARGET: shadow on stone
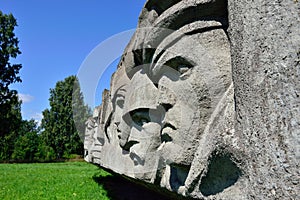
x,y
119,188
222,173
178,176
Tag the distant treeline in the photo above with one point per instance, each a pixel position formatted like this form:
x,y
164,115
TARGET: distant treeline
x,y
57,137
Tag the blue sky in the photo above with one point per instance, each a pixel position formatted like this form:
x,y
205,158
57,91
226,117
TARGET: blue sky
x,y
56,37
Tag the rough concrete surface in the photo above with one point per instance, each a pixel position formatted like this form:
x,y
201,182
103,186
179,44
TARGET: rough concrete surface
x,y
205,101
265,37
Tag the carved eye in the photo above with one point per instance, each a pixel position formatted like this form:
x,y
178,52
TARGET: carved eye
x,y
183,68
140,116
179,64
120,101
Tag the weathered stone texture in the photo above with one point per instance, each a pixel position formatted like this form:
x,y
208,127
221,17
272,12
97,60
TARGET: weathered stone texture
x,y
174,118
265,37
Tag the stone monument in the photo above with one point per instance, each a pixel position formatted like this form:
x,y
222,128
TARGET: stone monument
x,y
170,117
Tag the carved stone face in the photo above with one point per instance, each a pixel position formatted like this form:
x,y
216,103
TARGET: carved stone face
x,y
97,144
119,90
192,76
112,125
118,104
143,119
88,139
167,109
161,113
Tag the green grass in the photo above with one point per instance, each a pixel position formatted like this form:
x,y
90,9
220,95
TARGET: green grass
x,y
69,180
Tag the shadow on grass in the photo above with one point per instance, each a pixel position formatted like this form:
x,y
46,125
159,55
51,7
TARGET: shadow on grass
x,y
119,188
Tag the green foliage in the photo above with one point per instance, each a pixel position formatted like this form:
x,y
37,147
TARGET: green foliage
x,y
21,139
9,49
26,147
59,129
44,153
10,110
81,112
27,142
70,180
70,156
10,120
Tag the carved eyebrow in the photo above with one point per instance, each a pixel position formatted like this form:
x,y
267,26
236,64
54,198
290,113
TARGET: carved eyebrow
x,y
211,10
121,91
158,56
178,35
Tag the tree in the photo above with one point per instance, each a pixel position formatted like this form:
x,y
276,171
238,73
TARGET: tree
x,y
59,130
81,112
26,145
10,107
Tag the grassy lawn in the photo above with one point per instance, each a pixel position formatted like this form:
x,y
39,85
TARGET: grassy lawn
x,y
69,180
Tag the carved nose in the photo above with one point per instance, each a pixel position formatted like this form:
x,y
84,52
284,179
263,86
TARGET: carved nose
x,y
117,127
126,141
123,138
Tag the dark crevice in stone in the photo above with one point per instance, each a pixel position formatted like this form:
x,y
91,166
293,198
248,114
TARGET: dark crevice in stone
x,y
140,116
222,173
138,57
215,10
160,6
106,127
142,57
170,125
179,174
160,172
148,54
158,56
166,138
129,144
167,106
177,63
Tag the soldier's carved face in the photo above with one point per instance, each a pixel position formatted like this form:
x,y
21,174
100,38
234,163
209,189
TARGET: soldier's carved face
x,y
168,108
191,77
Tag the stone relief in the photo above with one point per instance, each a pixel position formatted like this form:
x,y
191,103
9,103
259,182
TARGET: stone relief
x,y
168,117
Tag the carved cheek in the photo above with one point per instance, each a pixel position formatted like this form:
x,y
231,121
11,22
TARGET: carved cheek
x,y
124,133
146,132
148,138
151,132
